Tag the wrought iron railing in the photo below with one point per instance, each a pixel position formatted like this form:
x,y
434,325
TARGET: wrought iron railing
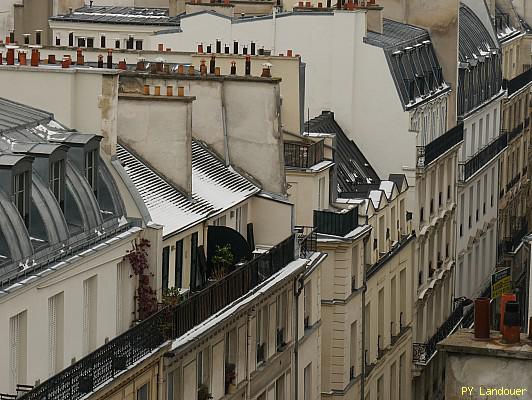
x,y
394,250
303,155
423,352
512,183
64,250
172,322
336,223
433,150
307,239
515,132
519,82
467,169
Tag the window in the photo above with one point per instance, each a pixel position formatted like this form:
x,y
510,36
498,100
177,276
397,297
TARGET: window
x,y
473,133
17,350
485,194
464,146
478,201
56,181
90,43
353,350
492,185
81,42
57,41
123,297
380,326
138,45
487,129
143,393
462,206
282,323
117,44
262,333
307,306
321,193
219,221
129,43
470,207
354,268
194,260
480,126
90,168
71,39
279,388
380,388
21,195
238,225
307,382
102,42
55,334
166,267
178,269
202,371
230,359
89,314
402,375
393,381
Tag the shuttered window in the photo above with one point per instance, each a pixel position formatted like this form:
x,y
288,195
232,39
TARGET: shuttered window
x,y
17,350
52,335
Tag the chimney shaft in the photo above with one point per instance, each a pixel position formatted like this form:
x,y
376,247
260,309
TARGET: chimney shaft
x,y
212,65
35,56
22,57
100,61
170,91
482,318
79,57
146,90
374,18
122,65
110,59
248,65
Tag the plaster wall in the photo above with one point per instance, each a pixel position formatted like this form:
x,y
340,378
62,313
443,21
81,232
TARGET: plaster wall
x,y
83,99
269,219
159,129
486,372
33,299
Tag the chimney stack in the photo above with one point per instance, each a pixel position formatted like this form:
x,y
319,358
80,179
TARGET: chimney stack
x,y
200,48
212,65
248,65
512,323
35,57
266,70
80,60
373,17
141,64
181,91
122,65
233,67
482,318
172,8
203,68
22,57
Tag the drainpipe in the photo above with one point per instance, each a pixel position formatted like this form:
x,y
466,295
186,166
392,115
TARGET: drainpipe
x,y
224,127
364,288
274,20
248,373
299,284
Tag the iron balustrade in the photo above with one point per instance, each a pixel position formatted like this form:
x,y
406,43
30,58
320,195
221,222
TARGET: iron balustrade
x,y
169,323
64,250
430,152
520,229
336,223
307,239
303,155
481,158
515,132
423,352
519,82
371,269
512,183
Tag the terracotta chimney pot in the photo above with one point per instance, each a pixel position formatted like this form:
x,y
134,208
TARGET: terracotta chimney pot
x,y
169,91
146,90
157,91
181,91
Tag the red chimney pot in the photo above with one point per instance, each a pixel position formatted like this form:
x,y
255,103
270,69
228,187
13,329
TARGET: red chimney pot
x,y
482,318
289,53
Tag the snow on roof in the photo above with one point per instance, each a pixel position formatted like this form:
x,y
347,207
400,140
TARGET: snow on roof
x,y
215,188
233,308
387,187
375,196
322,237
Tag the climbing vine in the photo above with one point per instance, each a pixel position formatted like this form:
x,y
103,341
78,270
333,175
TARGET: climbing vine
x,y
138,259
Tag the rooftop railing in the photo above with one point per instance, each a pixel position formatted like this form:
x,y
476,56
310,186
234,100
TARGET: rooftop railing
x,y
307,239
172,322
519,82
423,352
430,152
303,155
335,223
32,265
467,169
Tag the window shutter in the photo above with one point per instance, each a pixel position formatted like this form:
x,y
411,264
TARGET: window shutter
x,y
86,316
52,335
14,340
119,302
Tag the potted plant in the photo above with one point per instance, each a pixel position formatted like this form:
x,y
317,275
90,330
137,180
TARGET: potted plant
x,y
230,377
221,262
203,392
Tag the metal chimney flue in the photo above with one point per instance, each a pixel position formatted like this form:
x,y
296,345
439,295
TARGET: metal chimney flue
x,y
482,318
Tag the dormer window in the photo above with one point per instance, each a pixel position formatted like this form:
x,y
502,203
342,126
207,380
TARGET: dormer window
x,y
57,185
90,168
21,195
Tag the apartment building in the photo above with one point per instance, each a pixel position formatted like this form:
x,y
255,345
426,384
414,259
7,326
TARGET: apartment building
x,y
513,222
64,286
479,108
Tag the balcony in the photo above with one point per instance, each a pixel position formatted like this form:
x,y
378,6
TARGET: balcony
x,y
433,150
510,243
169,323
519,82
515,132
423,352
372,269
467,169
512,183
307,239
303,155
336,223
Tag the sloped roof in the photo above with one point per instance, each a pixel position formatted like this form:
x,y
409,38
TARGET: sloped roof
x,y
353,170
120,15
15,115
474,39
506,26
412,60
215,188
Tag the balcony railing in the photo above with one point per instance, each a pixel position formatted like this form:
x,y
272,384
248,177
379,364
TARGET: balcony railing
x,y
423,352
433,150
307,239
467,169
515,132
393,250
512,183
303,155
519,82
336,223
170,323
